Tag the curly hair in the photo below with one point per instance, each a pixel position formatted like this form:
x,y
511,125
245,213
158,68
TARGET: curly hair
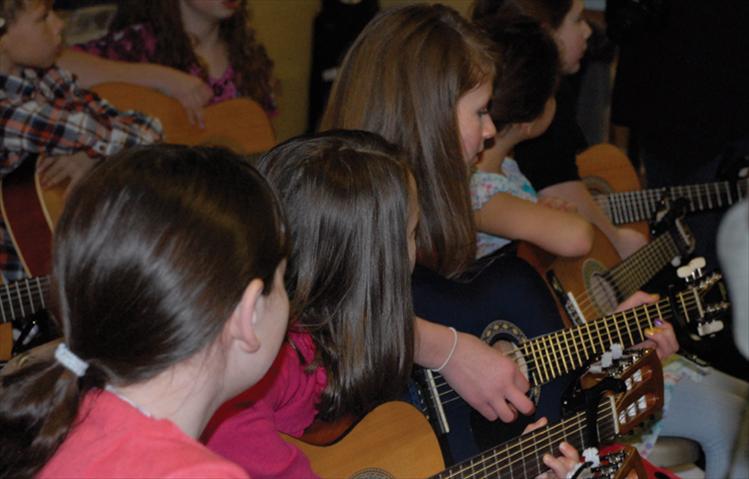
x,y
248,57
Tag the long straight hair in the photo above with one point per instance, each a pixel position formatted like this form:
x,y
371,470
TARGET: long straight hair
x,y
402,78
175,48
346,194
151,256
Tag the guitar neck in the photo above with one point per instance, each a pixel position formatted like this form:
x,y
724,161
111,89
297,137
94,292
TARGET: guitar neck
x,y
637,269
23,298
523,457
550,356
635,206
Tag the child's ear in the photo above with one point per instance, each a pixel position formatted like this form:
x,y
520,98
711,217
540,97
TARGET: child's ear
x,y
241,324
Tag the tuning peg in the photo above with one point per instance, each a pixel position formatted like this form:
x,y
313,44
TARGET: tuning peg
x,y
606,359
617,350
591,455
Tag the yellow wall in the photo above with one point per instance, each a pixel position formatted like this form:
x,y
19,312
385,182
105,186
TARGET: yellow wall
x,y
285,28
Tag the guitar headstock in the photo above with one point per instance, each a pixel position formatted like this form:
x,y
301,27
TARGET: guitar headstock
x,y
669,218
640,372
625,463
703,304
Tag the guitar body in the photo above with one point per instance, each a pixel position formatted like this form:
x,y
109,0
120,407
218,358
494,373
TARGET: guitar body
x,y
394,440
239,124
605,169
30,213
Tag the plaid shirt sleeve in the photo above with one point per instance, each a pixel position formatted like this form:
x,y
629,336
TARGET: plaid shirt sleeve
x,y
51,115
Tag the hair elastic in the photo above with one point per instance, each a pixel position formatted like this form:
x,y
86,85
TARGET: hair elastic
x,y
70,360
452,350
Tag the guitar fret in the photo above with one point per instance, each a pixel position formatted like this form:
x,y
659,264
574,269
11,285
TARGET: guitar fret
x,y
657,310
542,362
640,209
574,343
41,293
684,306
717,194
20,300
562,353
554,361
626,323
616,326
598,333
10,301
608,332
699,201
30,296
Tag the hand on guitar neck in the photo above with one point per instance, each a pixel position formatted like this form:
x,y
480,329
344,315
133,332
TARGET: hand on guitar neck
x,y
66,170
661,337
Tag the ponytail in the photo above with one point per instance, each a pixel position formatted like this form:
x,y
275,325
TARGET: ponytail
x,y
38,405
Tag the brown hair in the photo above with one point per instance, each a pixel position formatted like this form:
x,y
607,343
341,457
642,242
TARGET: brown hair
x,y
527,67
550,13
248,57
9,10
402,79
346,194
151,255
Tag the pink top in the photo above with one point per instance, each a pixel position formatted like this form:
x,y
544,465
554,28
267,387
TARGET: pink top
x,y
114,439
246,429
138,43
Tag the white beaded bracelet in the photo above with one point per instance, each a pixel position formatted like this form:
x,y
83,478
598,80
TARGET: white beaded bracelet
x,y
452,350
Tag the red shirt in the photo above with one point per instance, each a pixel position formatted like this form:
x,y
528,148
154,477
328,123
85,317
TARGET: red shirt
x,y
113,439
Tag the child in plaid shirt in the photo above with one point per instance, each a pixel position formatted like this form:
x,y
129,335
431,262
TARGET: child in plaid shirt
x,y
45,115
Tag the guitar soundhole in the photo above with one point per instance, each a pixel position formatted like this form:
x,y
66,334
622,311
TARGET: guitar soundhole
x,y
603,293
599,289
507,337
372,473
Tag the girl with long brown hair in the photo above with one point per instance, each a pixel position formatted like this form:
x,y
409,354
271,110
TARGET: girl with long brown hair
x,y
200,52
168,274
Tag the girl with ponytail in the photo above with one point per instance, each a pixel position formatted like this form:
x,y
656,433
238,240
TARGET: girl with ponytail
x,y
168,274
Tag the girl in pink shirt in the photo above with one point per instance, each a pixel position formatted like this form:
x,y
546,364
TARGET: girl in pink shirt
x,y
351,208
168,267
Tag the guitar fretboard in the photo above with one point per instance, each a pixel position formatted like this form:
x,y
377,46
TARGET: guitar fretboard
x,y
632,273
634,206
23,298
523,457
552,355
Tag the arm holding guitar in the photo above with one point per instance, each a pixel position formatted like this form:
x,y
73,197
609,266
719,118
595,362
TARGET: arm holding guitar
x,y
626,241
488,380
515,218
189,90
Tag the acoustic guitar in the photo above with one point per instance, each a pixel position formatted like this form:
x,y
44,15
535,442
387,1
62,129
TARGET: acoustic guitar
x,y
394,440
547,357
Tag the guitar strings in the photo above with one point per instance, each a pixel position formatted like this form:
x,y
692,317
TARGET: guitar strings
x,y
17,295
632,273
580,338
639,205
546,439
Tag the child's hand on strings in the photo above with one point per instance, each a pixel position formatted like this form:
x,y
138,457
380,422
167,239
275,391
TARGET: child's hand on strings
x,y
488,380
561,466
191,92
661,336
56,170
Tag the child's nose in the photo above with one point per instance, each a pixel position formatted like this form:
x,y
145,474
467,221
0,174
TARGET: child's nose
x,y
490,130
